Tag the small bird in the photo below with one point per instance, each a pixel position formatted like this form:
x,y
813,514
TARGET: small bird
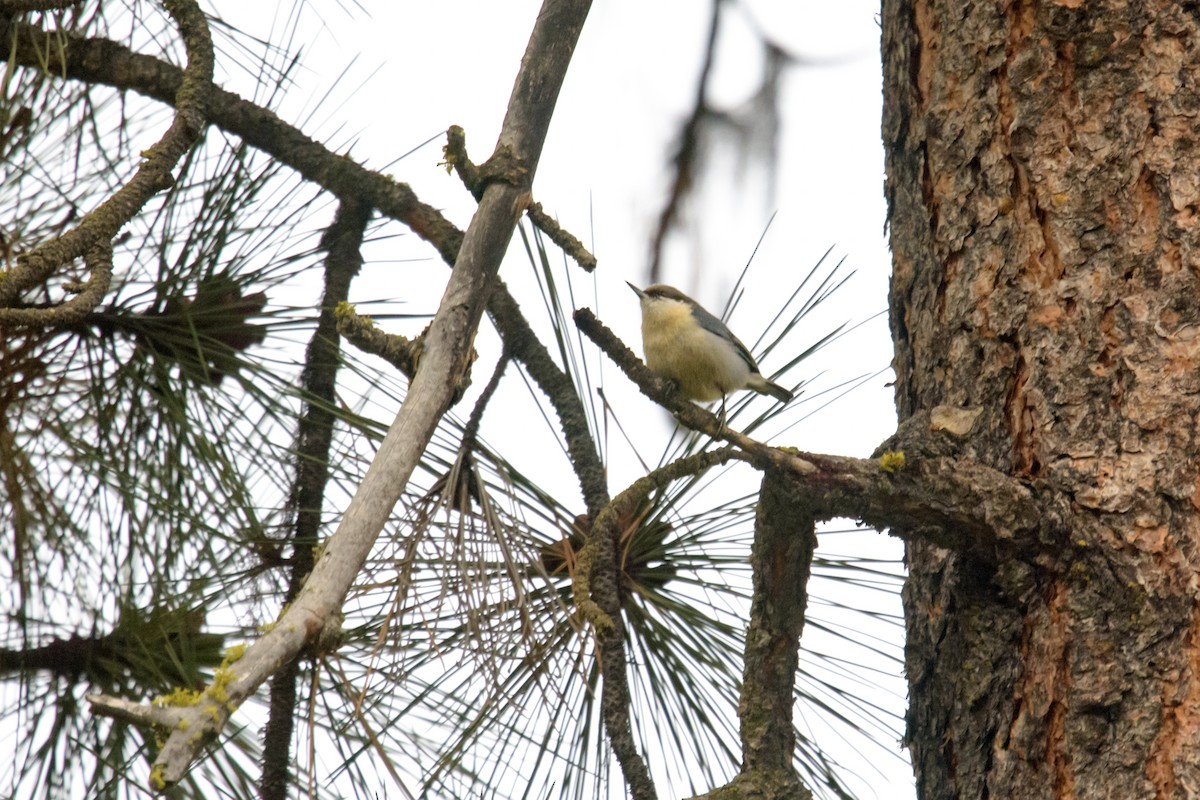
x,y
690,346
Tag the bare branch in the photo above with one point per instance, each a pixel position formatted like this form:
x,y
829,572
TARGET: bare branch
x,y
313,619
562,237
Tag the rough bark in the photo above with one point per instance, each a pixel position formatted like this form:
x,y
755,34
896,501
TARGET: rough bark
x,y
781,559
1043,192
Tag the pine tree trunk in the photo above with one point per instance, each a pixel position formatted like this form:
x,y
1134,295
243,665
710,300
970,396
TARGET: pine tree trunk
x,y
1043,177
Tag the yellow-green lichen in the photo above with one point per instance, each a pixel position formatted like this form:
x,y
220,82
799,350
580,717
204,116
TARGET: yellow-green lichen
x,y
346,311
217,691
158,781
892,461
179,697
234,653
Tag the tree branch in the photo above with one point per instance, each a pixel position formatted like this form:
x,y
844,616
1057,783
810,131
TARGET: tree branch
x,y
342,242
688,152
563,238
525,346
596,589
102,61
781,559
109,63
22,6
476,177
954,502
312,620
102,223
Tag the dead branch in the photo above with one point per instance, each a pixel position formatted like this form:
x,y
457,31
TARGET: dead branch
x,y
313,620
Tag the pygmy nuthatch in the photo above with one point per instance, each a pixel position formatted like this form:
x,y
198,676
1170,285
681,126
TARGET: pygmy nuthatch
x,y
687,344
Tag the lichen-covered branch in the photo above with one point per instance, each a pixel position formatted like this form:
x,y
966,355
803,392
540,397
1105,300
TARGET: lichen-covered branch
x,y
190,98
562,237
524,346
144,714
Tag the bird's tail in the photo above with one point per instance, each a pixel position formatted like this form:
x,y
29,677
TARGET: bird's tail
x,y
763,386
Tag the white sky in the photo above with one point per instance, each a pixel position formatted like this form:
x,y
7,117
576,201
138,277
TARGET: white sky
x,y
414,68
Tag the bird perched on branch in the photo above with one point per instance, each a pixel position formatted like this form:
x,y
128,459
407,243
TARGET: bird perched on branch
x,y
685,343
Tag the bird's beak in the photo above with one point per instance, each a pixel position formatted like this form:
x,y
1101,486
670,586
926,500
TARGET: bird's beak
x,y
636,290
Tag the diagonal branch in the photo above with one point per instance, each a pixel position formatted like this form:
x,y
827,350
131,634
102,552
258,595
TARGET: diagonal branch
x,y
312,620
524,345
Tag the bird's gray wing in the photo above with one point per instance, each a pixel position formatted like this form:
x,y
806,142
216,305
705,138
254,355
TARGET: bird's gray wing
x,y
714,325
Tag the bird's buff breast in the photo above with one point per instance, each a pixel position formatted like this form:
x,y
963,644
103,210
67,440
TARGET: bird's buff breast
x,y
703,365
